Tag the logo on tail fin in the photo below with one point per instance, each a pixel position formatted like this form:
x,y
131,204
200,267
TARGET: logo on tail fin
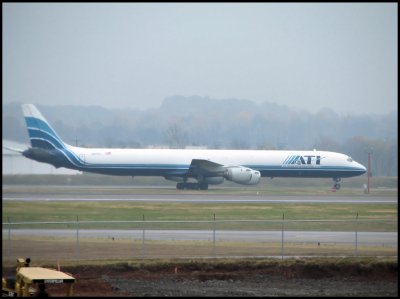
x,y
41,134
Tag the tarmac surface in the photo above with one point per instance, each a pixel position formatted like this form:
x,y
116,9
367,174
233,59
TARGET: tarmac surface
x,y
170,195
326,237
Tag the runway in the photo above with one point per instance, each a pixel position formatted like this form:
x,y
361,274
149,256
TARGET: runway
x,y
169,195
366,238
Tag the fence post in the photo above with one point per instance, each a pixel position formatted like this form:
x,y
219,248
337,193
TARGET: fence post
x,y
213,249
77,238
356,228
143,235
9,238
283,232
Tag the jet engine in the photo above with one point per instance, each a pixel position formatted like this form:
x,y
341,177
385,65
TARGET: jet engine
x,y
242,175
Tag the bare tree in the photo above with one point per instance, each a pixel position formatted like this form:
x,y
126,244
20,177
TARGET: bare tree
x,y
176,136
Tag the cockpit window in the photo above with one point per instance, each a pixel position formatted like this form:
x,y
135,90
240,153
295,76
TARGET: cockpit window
x,y
349,159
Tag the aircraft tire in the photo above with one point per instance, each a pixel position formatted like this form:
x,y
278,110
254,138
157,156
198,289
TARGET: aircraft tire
x,y
192,186
203,186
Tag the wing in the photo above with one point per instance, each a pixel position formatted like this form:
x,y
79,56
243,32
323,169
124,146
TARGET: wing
x,y
206,168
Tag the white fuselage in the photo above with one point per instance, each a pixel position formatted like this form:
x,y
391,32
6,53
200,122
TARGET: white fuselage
x,y
268,162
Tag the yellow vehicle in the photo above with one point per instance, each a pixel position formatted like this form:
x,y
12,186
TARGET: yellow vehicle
x,y
32,281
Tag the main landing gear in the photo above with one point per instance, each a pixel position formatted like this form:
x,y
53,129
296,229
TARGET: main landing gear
x,y
336,184
192,186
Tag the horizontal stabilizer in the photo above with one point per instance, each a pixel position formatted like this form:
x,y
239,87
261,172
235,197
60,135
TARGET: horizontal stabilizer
x,y
13,149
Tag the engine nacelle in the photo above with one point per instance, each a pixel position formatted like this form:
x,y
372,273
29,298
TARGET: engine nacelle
x,y
243,175
215,180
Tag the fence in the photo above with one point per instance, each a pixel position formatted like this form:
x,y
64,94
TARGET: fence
x,y
92,240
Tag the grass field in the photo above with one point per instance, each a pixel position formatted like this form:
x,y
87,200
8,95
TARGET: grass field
x,y
44,211
56,211
43,249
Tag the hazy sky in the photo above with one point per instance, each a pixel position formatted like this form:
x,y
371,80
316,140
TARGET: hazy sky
x,y
337,55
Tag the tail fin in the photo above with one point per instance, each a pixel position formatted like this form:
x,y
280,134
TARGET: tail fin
x,y
41,134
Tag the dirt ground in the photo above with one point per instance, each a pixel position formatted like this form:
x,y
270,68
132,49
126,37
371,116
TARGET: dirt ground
x,y
294,279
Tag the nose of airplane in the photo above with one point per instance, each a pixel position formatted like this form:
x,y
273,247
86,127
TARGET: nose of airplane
x,y
362,168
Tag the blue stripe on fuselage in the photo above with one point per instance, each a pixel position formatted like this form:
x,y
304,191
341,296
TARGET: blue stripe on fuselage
x,y
323,171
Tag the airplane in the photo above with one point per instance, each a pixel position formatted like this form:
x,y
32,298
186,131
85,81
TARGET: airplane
x,y
205,167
